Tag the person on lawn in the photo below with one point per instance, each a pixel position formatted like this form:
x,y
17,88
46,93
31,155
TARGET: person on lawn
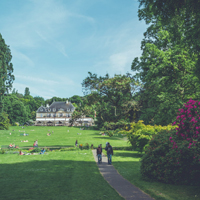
x,y
99,151
109,153
36,142
76,143
21,153
42,151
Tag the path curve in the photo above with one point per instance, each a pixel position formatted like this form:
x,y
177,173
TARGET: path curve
x,y
125,189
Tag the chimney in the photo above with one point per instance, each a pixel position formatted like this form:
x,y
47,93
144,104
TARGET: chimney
x,y
67,102
47,105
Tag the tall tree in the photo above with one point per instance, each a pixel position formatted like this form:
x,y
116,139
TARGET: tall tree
x,y
15,109
167,71
165,11
6,70
26,92
114,96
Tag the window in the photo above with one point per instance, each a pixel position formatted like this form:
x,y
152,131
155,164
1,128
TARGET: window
x,y
41,115
54,110
49,109
41,109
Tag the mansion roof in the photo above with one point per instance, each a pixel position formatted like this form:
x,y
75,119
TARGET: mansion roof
x,y
57,106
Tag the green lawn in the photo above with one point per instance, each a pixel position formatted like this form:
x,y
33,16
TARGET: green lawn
x,y
128,165
59,138
73,174
57,175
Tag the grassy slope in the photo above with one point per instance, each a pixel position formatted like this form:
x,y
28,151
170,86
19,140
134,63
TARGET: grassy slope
x,y
60,137
128,165
58,175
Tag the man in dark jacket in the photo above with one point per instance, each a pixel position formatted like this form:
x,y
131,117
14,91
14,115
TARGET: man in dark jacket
x,y
109,153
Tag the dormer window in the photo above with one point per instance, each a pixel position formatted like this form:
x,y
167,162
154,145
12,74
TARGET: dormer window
x,y
41,109
49,109
54,110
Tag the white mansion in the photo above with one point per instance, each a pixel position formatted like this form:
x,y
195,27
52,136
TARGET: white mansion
x,y
59,114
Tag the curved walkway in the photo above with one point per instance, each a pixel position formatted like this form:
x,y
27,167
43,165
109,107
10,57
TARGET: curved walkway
x,y
125,189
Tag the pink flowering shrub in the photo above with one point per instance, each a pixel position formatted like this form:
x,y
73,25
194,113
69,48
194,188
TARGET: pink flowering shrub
x,y
174,156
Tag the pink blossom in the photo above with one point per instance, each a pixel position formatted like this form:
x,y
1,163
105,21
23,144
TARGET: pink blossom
x,y
170,138
182,116
190,144
189,147
199,103
195,107
181,110
177,117
189,115
174,123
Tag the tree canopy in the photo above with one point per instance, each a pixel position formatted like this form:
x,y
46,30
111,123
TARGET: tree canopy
x,y
6,70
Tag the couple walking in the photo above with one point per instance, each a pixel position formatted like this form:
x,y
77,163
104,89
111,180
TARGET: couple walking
x,y
109,153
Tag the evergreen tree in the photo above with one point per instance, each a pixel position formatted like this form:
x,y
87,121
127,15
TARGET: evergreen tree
x,y
26,92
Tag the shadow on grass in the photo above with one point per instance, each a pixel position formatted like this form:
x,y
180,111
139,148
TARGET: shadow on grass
x,y
132,154
53,179
106,138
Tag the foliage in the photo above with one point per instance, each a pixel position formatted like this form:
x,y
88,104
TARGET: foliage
x,y
166,163
36,150
16,110
80,112
112,128
140,134
6,70
166,68
165,11
76,99
188,121
50,101
122,124
4,121
112,97
174,157
26,92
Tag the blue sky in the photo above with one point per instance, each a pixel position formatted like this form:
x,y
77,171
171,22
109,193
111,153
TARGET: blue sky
x,y
54,43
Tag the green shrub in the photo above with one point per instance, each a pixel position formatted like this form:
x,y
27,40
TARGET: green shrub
x,y
140,134
164,162
2,151
68,149
35,150
86,146
4,121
